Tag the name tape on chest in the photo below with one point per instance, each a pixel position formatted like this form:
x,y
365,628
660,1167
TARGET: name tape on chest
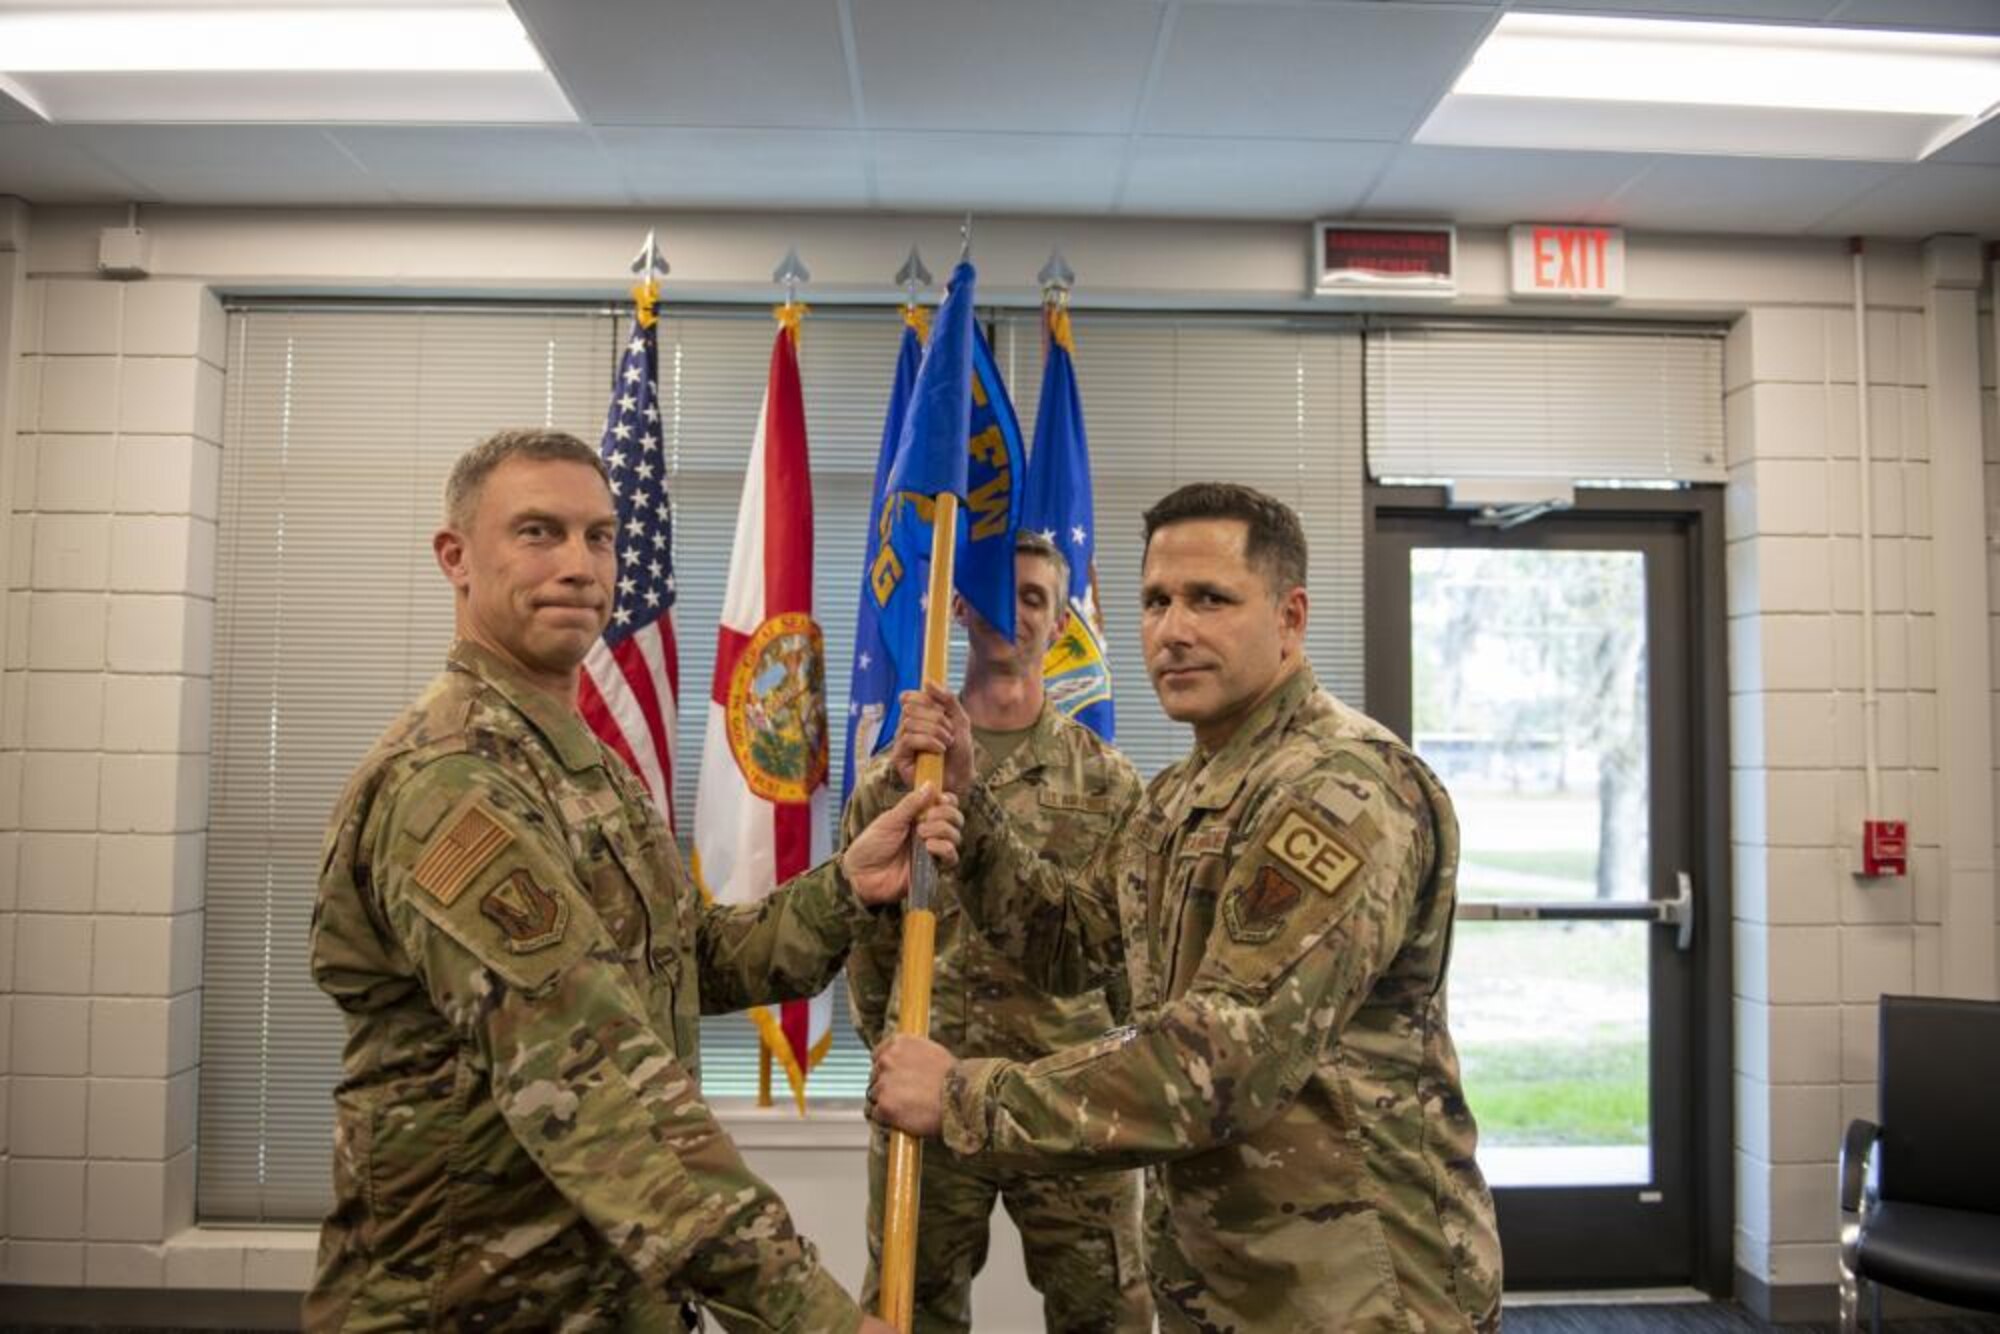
x,y
1310,848
471,838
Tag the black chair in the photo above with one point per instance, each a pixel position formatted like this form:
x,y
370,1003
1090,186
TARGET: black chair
x,y
1920,1194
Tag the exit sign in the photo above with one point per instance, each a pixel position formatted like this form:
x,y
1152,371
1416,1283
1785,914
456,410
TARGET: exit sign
x,y
1569,262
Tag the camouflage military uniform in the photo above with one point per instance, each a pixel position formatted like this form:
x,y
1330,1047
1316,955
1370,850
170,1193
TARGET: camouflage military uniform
x,y
520,1140
1065,791
1283,908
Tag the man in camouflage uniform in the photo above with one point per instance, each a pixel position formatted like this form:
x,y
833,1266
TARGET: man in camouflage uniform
x,y
520,1140
1065,791
1282,903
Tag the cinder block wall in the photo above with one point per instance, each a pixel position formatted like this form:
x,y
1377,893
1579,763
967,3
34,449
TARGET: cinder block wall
x,y
115,401
1815,946
104,772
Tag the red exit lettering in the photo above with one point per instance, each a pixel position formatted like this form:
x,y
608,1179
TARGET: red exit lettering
x,y
1571,258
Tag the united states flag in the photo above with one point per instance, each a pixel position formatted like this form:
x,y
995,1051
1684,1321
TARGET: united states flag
x,y
631,679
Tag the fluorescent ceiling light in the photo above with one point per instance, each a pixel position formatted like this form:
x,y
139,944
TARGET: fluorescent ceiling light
x,y
465,61
1661,85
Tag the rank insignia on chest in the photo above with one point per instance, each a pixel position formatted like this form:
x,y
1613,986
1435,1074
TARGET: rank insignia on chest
x,y
1310,848
471,839
527,914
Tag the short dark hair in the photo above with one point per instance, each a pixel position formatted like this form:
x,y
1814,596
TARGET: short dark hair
x,y
1274,542
1028,542
475,465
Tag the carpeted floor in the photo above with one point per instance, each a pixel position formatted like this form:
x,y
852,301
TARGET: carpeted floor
x,y
1691,1318
1703,1318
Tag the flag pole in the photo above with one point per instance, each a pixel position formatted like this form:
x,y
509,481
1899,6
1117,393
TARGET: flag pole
x,y
913,1013
919,952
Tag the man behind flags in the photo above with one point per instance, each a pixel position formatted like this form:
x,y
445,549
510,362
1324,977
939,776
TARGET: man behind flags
x,y
760,813
1079,1236
1056,502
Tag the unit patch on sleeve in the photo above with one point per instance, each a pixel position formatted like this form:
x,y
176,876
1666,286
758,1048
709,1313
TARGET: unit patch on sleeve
x,y
530,916
1255,912
472,838
1310,848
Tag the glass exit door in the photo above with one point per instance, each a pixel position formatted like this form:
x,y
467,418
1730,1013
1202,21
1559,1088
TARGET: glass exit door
x,y
1547,673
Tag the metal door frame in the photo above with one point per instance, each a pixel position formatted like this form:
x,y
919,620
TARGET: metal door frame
x,y
1695,515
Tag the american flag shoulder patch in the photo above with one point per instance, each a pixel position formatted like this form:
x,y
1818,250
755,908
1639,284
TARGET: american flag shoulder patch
x,y
471,837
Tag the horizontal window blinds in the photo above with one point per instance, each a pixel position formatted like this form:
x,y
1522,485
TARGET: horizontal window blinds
x,y
342,423
330,616
1451,402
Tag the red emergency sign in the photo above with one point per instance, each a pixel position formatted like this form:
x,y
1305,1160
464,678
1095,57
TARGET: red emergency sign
x,y
1566,261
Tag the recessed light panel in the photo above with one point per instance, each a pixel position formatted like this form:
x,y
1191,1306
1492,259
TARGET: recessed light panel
x,y
463,62
1657,85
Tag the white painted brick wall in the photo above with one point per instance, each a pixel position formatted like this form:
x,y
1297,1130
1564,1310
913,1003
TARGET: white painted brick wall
x,y
110,618
1815,947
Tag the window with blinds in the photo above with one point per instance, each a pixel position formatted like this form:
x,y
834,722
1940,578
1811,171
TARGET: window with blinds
x,y
341,426
1570,403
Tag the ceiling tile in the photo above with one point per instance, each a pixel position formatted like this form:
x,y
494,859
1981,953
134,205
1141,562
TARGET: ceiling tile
x,y
997,173
1249,178
1920,200
48,164
1776,196
1980,146
696,62
13,112
1963,15
234,164
485,165
1035,65
1500,185
1368,72
741,168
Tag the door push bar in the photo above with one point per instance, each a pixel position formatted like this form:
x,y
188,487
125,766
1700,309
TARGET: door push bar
x,y
1676,912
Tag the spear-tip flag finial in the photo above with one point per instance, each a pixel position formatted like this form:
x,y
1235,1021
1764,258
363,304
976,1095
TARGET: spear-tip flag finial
x,y
913,277
1056,277
791,271
649,261
650,266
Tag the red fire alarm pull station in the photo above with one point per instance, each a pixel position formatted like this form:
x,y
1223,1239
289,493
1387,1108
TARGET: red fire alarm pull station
x,y
1885,847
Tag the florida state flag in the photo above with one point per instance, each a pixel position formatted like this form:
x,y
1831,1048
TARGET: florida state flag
x,y
760,813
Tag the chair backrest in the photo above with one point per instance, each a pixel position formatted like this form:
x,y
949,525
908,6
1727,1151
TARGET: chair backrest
x,y
1940,1063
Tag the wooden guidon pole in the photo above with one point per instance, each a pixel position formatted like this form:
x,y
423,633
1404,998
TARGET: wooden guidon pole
x,y
913,1011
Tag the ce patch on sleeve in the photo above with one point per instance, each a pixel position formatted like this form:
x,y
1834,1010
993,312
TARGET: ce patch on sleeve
x,y
1304,856
1311,849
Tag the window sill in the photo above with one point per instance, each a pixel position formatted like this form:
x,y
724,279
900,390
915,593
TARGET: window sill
x,y
832,1125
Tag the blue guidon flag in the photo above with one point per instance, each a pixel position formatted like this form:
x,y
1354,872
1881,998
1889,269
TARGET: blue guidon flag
x,y
872,687
1056,502
958,435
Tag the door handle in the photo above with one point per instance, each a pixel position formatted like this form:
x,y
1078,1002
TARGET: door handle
x,y
1676,912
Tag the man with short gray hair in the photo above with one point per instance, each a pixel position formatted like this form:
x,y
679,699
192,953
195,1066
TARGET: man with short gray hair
x,y
520,1141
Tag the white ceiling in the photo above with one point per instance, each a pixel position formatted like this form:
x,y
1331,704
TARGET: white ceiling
x,y
1274,109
